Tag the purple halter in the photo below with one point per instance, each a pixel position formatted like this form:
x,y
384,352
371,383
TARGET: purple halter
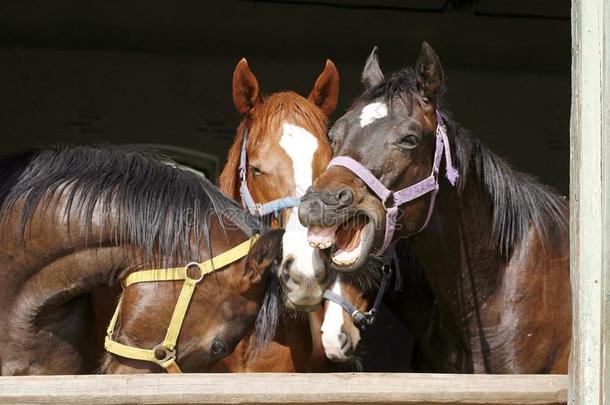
x,y
391,200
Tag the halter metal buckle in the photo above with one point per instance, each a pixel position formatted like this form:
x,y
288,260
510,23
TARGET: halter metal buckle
x,y
201,274
363,319
163,354
389,201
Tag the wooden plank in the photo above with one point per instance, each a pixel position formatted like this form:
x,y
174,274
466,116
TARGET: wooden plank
x,y
590,200
271,388
605,110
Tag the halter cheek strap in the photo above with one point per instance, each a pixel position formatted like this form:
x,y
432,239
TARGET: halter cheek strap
x,y
391,200
164,354
359,318
271,207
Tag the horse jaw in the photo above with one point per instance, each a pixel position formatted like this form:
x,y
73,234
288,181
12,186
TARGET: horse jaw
x,y
339,338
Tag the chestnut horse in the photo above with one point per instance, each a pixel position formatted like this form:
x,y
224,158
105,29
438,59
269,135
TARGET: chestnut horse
x,y
493,241
285,149
75,218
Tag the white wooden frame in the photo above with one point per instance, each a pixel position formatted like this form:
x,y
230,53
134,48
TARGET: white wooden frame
x,y
590,202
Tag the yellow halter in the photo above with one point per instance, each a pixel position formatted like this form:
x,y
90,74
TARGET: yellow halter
x,y
164,354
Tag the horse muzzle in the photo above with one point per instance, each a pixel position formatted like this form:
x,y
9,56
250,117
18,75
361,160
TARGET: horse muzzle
x,y
325,208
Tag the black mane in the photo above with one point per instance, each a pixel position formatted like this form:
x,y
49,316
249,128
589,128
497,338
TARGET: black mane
x,y
156,206
517,200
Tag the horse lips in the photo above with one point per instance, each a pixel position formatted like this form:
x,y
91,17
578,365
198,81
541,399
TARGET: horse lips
x,y
347,237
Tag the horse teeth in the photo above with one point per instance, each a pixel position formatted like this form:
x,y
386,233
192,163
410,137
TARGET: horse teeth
x,y
345,258
325,245
345,262
321,245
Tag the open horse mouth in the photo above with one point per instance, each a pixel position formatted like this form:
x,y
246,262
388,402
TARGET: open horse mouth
x,y
349,242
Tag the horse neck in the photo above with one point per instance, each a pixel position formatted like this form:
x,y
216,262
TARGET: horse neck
x,y
491,301
461,265
46,278
455,247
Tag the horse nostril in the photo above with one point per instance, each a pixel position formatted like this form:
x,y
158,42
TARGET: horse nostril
x,y
343,339
289,272
345,197
288,263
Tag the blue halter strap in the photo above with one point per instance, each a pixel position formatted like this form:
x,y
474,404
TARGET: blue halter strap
x,y
271,207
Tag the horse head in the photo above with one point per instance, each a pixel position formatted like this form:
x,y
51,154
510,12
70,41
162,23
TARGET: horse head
x,y
280,148
385,142
205,327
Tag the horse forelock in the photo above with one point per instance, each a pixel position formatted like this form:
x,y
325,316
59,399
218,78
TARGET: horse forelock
x,y
400,86
286,107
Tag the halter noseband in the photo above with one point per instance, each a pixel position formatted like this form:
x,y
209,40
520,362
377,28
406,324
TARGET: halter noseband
x,y
359,318
164,354
271,207
391,200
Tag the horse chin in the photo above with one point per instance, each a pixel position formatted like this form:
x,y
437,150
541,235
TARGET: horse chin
x,y
298,307
295,301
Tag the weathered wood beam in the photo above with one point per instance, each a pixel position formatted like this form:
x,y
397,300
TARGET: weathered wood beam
x,y
270,388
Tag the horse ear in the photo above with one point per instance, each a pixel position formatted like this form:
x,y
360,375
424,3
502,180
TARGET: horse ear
x,y
266,250
372,74
246,92
429,73
325,92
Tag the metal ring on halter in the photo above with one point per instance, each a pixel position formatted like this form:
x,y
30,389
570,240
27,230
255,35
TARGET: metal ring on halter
x,y
360,319
370,316
201,273
389,199
167,354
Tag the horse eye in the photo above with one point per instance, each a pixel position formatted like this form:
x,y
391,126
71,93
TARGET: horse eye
x,y
256,171
218,348
408,142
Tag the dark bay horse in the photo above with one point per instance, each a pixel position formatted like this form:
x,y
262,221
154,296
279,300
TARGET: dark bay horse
x,y
280,147
493,241
75,218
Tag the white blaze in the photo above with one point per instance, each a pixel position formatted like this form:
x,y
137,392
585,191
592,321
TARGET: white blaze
x,y
300,145
333,324
372,112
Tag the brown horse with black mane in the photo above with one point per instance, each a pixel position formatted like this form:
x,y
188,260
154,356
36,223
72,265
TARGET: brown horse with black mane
x,y
77,218
493,241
